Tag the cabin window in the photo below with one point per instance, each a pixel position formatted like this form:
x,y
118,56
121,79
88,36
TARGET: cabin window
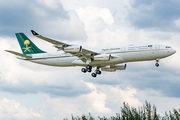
x,y
149,45
168,47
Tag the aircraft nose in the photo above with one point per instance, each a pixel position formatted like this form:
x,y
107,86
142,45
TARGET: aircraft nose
x,y
173,51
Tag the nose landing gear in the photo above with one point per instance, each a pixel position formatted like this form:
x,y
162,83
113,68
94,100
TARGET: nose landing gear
x,y
157,64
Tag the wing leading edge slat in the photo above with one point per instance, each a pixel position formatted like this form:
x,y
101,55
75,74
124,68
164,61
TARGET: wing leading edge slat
x,y
55,42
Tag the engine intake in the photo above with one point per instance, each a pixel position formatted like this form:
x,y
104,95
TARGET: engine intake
x,y
74,48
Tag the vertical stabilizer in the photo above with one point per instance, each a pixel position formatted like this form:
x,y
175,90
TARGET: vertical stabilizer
x,y
27,46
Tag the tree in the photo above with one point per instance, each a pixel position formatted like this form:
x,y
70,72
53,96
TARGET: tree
x,y
131,113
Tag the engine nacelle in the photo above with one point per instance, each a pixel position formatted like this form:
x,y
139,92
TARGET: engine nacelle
x,y
74,48
113,68
103,57
118,66
108,69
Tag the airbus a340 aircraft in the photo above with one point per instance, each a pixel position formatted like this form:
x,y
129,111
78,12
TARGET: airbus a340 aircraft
x,y
106,59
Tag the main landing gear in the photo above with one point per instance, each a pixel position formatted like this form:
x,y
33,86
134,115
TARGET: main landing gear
x,y
97,72
89,69
157,64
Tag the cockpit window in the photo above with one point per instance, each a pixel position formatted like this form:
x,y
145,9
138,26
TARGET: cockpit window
x,y
168,47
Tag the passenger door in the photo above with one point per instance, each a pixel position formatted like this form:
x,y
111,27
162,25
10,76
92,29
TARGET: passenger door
x,y
157,47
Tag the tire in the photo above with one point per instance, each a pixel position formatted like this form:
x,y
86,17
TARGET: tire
x,y
98,72
89,70
157,64
89,67
83,70
93,75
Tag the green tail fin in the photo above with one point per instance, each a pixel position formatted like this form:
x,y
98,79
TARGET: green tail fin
x,y
27,46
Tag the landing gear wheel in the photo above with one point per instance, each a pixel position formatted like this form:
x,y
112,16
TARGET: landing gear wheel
x,y
83,70
93,74
89,70
89,67
157,64
98,72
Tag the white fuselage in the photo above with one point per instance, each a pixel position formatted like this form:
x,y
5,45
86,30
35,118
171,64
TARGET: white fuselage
x,y
119,55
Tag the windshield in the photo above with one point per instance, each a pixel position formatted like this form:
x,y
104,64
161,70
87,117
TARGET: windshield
x,y
168,47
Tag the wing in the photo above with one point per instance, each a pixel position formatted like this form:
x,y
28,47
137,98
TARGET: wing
x,y
55,42
19,54
83,55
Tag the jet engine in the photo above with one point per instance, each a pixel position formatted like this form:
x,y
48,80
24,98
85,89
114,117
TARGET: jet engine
x,y
74,49
118,66
103,57
113,68
108,69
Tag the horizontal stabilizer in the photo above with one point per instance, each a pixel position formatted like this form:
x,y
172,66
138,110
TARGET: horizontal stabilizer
x,y
19,54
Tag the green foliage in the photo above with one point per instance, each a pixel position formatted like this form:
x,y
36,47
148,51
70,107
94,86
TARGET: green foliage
x,y
147,112
83,117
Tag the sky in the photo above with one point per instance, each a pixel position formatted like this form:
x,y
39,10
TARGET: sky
x,y
38,92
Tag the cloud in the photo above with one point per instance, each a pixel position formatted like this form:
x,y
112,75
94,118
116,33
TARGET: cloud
x,y
53,91
144,75
100,27
137,3
159,79
95,19
10,109
104,100
20,77
155,14
48,17
156,98
53,86
102,24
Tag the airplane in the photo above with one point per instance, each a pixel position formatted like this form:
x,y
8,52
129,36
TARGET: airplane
x,y
105,59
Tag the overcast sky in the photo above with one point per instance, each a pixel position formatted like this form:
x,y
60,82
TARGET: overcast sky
x,y
33,91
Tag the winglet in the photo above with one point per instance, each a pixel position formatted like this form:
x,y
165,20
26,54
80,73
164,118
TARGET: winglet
x,y
34,33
